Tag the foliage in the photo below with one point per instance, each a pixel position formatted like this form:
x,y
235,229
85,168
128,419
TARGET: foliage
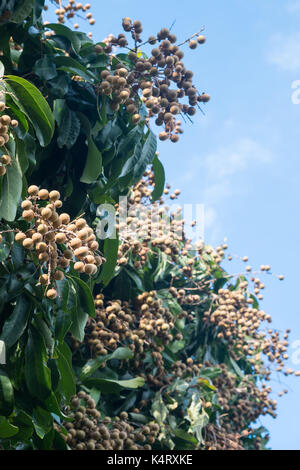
x,y
156,347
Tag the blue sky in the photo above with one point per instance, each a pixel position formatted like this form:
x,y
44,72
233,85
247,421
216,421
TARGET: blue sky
x,y
242,158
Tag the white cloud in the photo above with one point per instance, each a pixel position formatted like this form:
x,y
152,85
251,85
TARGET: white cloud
x,y
224,174
284,51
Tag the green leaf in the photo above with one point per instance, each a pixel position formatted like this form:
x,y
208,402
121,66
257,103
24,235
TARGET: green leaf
x,y
62,325
6,429
6,395
114,386
185,436
198,419
16,324
42,421
74,67
22,11
93,165
45,68
11,191
93,364
67,385
85,296
37,374
147,156
68,128
62,30
111,246
35,107
159,178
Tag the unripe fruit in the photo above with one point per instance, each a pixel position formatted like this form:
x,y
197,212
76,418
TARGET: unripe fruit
x,y
33,190
64,218
79,267
28,243
43,279
28,215
51,294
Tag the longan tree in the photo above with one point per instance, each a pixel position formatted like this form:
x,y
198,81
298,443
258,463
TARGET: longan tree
x,y
137,341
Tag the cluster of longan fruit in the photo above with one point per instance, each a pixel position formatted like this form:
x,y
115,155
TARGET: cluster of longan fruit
x,y
6,125
89,431
150,79
217,438
71,9
241,400
235,321
141,327
56,240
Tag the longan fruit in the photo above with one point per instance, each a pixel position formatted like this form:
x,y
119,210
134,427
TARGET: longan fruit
x,y
50,236
174,138
27,243
42,228
14,123
80,223
68,254
2,106
98,49
46,213
5,119
33,190
51,294
2,168
28,215
136,118
60,238
54,195
59,275
201,39
20,237
64,219
81,252
82,234
43,256
79,266
76,243
94,245
90,269
41,246
26,205
37,237
58,204
5,160
44,279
